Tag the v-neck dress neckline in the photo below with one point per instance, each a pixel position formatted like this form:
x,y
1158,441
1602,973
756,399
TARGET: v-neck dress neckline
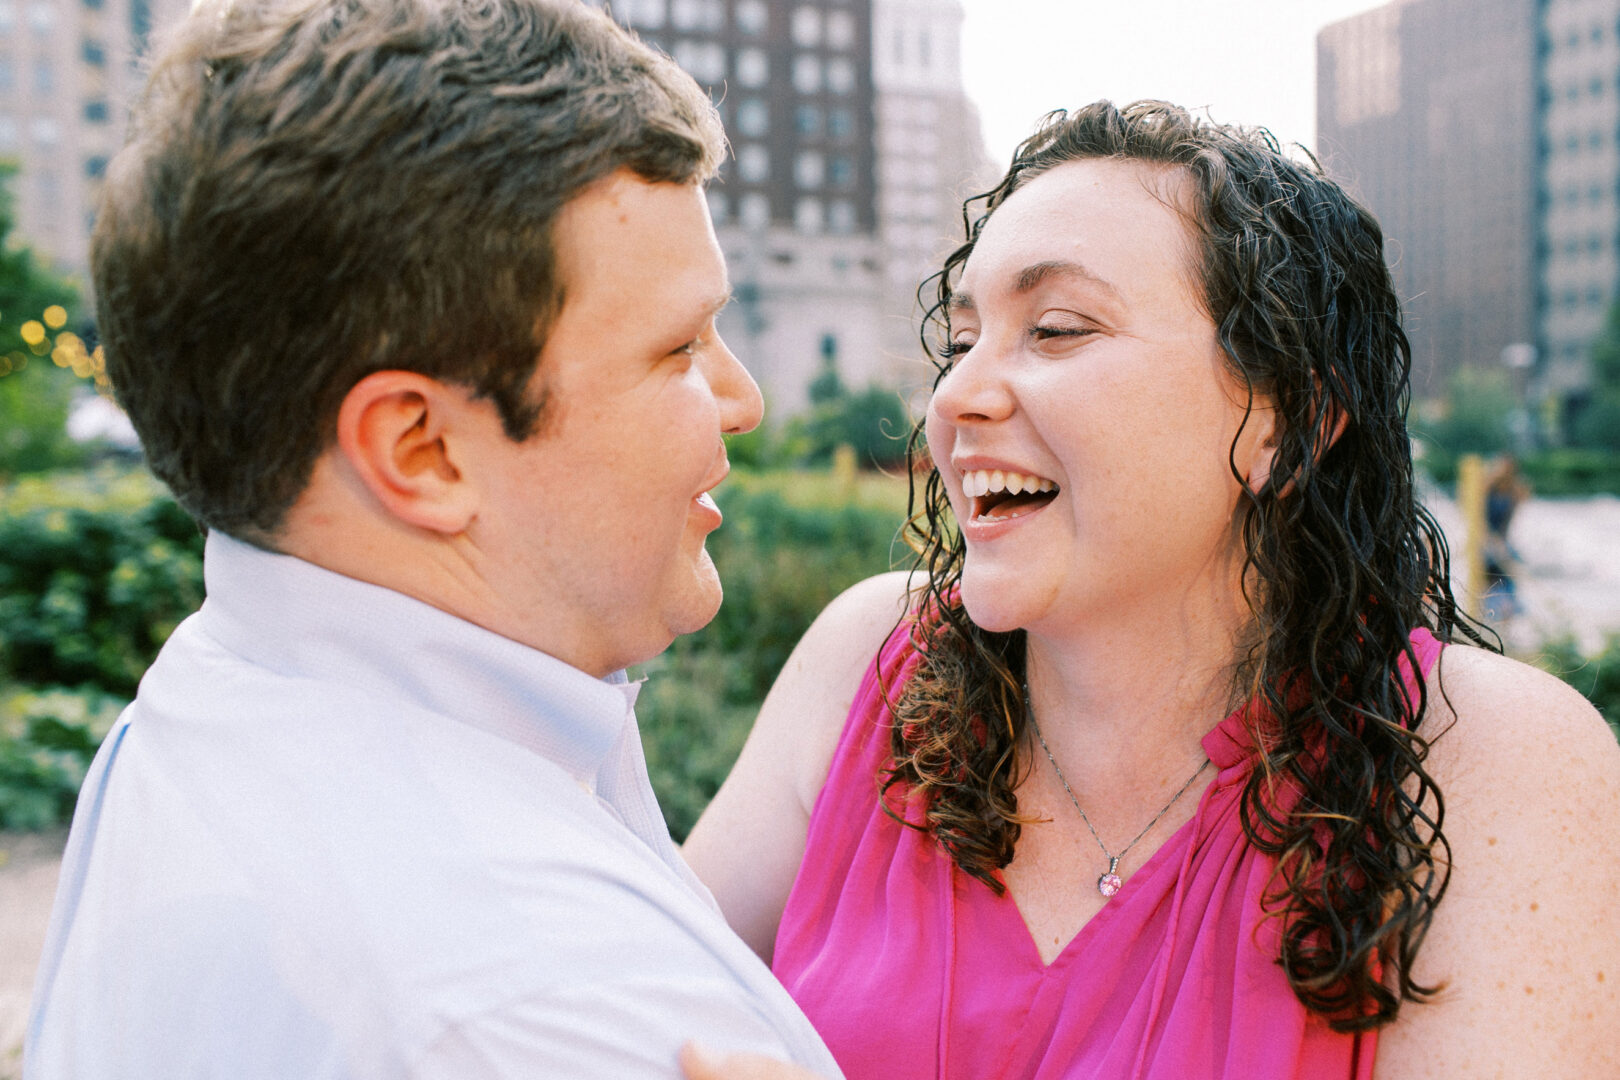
x,y
911,969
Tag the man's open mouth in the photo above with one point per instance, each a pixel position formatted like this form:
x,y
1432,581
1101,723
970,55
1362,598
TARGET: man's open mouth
x,y
997,495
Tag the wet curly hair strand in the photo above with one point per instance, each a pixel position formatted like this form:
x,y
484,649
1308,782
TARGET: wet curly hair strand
x,y
1342,561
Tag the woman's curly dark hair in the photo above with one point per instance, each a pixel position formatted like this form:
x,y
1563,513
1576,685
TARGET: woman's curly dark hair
x,y
1342,564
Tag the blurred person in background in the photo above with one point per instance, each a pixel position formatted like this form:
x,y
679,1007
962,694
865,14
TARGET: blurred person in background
x,y
1505,489
412,303
1177,759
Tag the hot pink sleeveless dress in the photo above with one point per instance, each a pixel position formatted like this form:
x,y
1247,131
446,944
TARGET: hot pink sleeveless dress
x,y
909,968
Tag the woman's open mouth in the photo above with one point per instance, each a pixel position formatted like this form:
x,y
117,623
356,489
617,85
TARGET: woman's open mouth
x,y
997,495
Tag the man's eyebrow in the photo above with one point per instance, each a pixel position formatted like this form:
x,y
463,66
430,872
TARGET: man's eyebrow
x,y
1032,276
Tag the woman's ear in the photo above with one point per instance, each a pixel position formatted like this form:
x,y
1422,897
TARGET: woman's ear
x,y
400,433
1330,426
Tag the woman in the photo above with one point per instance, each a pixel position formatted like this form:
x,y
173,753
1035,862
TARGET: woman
x,y
1157,773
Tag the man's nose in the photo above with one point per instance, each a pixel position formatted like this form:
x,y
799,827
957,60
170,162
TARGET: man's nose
x,y
741,406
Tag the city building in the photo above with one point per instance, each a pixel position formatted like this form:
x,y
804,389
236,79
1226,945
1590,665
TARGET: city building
x,y
1426,111
852,144
1485,134
68,69
851,139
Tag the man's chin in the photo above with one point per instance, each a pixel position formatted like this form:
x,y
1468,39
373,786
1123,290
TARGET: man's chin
x,y
703,595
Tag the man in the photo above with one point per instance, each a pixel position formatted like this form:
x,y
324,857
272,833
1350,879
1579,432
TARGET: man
x,y
412,303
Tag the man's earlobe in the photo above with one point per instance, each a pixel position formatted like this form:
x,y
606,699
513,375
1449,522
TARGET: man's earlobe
x,y
397,432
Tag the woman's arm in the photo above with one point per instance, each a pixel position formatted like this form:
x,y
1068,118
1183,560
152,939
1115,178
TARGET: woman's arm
x,y
748,845
1527,939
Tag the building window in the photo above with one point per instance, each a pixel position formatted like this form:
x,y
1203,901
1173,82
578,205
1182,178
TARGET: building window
x,y
44,76
840,30
841,217
841,75
753,67
753,117
95,167
709,15
705,61
647,13
807,120
94,5
753,17
753,163
719,205
95,112
841,170
754,210
809,170
806,27
93,53
925,47
806,73
807,218
840,123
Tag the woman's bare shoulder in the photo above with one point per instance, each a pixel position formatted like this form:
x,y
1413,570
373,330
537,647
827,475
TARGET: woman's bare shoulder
x,y
1488,710
1525,942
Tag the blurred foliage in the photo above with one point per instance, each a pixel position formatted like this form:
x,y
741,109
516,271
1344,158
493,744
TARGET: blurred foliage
x,y
1597,427
47,738
100,567
791,542
874,422
1554,472
1474,417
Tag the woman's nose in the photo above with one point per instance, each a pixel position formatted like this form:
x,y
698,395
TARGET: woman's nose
x,y
974,390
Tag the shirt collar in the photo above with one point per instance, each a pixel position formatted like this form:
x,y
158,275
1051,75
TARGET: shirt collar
x,y
300,619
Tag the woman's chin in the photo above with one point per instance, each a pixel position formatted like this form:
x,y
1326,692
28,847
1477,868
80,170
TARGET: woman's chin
x,y
992,605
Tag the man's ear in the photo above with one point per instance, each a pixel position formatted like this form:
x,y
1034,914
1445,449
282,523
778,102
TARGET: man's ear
x,y
1330,426
400,432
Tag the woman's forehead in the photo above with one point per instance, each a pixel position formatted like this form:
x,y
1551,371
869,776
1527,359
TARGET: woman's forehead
x,y
1119,225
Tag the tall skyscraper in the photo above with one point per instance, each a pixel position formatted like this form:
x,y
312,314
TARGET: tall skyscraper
x,y
67,71
930,158
1426,111
1485,134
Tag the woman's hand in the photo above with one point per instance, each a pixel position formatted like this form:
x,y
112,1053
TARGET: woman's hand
x,y
700,1063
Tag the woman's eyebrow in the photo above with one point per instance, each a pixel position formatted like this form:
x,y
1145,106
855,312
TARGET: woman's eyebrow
x,y
1032,276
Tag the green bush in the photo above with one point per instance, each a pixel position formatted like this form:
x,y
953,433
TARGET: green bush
x,y
47,738
790,543
1563,471
99,568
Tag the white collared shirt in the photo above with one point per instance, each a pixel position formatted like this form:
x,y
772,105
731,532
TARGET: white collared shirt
x,y
341,833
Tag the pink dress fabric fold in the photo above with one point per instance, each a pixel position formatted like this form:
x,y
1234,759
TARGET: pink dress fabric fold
x,y
909,968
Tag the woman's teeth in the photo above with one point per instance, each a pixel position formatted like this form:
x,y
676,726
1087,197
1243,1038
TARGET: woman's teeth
x,y
979,482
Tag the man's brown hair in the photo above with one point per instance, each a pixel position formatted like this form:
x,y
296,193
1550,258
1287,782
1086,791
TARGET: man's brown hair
x,y
314,191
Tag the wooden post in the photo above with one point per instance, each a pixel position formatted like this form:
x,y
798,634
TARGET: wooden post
x,y
1471,503
844,470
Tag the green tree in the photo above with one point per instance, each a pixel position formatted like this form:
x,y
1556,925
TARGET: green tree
x,y
1598,425
1475,416
35,393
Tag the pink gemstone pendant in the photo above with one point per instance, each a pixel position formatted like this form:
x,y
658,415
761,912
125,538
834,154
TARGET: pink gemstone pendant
x,y
1109,883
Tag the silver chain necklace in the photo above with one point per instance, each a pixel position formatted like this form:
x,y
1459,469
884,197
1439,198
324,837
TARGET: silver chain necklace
x,y
1109,882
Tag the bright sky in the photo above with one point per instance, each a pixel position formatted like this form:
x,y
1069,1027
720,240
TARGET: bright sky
x,y
1249,61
